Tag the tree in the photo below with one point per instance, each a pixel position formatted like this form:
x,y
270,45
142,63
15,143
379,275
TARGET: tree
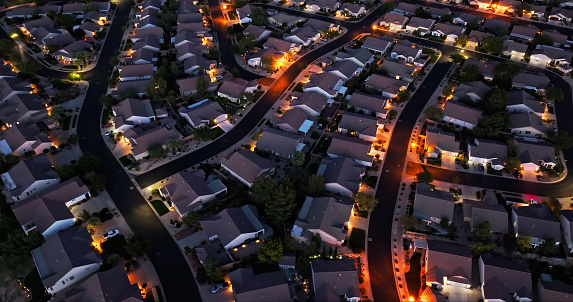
x,y
57,114
434,113
457,58
28,69
403,96
392,114
461,41
261,190
447,18
167,19
412,223
173,144
85,215
246,98
267,63
543,40
554,93
315,185
157,88
473,25
259,17
554,204
512,164
82,56
483,247
213,269
271,251
138,246
108,101
247,42
491,125
448,89
282,202
113,260
506,70
424,176
548,246
213,53
421,12
498,31
114,61
482,232
560,140
469,73
523,244
191,219
298,158
67,21
365,201
155,151
93,222
89,7
387,6
492,45
98,182
495,101
87,162
66,172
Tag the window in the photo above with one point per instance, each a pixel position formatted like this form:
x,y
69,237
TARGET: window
x,y
527,132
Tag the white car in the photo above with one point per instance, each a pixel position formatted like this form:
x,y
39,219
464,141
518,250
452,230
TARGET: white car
x,y
107,133
110,234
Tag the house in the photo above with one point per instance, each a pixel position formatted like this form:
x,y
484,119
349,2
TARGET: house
x,y
23,109
420,24
516,51
22,12
304,36
76,9
68,53
461,115
488,152
344,69
326,84
491,24
536,11
388,86
527,124
475,37
504,279
342,176
288,261
280,143
191,49
198,65
189,36
361,126
285,20
322,5
138,86
393,22
549,55
559,39
294,121
233,226
197,17
189,191
335,280
487,69
274,58
148,22
450,32
66,258
54,38
248,287
406,9
152,134
326,216
436,12
407,53
28,26
320,25
530,81
361,57
431,205
205,113
441,143
131,112
188,86
28,177
399,71
474,91
560,15
566,220
246,166
47,212
524,33
281,45
368,104
448,264
141,56
154,4
463,19
232,90
21,139
478,212
351,10
11,86
535,154
106,286
536,221
377,45
142,33
244,13
312,103
351,147
521,101
553,290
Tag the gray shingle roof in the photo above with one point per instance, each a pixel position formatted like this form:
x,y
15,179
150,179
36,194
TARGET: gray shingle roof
x,y
232,222
326,214
351,147
108,286
342,171
335,278
248,287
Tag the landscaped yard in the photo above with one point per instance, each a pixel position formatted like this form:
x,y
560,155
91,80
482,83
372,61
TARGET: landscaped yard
x,y
160,207
125,161
105,116
115,245
357,239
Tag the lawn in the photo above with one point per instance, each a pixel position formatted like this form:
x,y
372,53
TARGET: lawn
x,y
125,161
115,245
160,207
357,239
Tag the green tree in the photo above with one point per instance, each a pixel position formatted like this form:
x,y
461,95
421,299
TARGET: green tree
x,y
560,140
173,144
543,40
424,176
499,31
421,12
192,219
89,7
261,190
469,73
482,232
548,247
445,222
392,114
315,185
138,246
554,204
365,201
157,88
554,93
202,89
457,58
66,172
388,6
461,41
82,56
523,244
506,70
434,113
495,101
512,164
108,100
87,162
491,125
213,269
447,90
298,158
72,139
114,61
213,53
259,17
483,247
155,151
98,182
247,42
28,69
403,96
282,202
57,114
492,45
270,251
93,222
473,24
167,19
113,260
85,215
412,223
447,18
67,21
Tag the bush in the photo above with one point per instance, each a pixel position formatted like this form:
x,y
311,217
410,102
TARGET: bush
x,y
314,135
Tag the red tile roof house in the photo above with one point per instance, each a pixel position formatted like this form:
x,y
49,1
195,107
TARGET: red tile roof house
x,y
326,216
233,226
248,287
112,285
20,139
48,212
368,104
335,280
66,258
246,166
461,115
310,102
279,143
365,127
537,222
342,176
205,113
433,205
131,112
28,177
189,191
145,136
448,265
351,147
388,86
504,279
294,121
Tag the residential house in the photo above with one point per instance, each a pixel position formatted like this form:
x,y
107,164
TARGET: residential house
x,y
361,126
322,5
560,15
198,17
326,216
399,71
188,86
436,12
248,287
320,25
23,12
368,104
527,124
552,56
52,38
525,33
68,53
244,13
152,134
450,32
377,45
344,69
191,49
154,4
516,51
280,143
274,58
535,82
66,258
550,290
535,11
304,36
285,20
461,115
488,210
559,39
487,69
294,121
149,22
448,264
21,139
11,86
142,33
28,26
420,24
281,45
311,102
135,72
288,261
439,143
351,147
475,37
351,10
138,86
205,113
189,36
390,87
474,91
47,212
491,24
232,90
537,222
406,9
106,286
431,205
407,53
141,56
198,65
393,22
23,109
491,152
246,166
326,84
75,9
131,112
566,220
342,176
361,57
504,279
29,177
335,280
233,226
521,101
535,154
463,19
189,191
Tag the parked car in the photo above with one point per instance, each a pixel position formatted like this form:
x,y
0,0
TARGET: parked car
x,y
107,125
219,287
111,234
